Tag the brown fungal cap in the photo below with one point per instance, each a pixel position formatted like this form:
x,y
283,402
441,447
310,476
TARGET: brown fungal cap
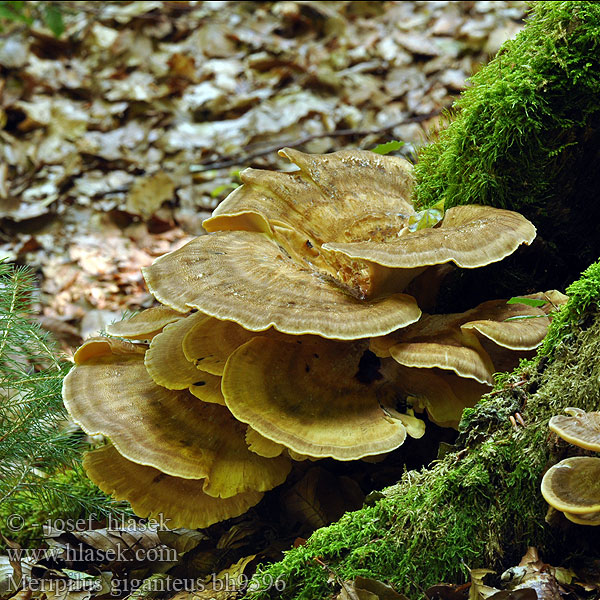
x,y
145,325
207,388
245,277
171,431
346,196
305,395
443,395
165,361
490,320
101,346
470,236
437,341
261,445
210,342
151,493
579,428
351,195
573,485
447,353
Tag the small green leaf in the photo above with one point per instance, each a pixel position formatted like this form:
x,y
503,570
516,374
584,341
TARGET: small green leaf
x,y
222,188
388,147
527,301
521,317
53,19
427,218
13,11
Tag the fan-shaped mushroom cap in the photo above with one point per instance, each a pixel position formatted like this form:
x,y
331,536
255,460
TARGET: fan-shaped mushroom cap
x,y
579,428
447,353
207,388
584,519
209,343
172,431
151,493
244,277
470,236
573,485
444,395
262,445
345,196
146,324
165,361
490,320
101,346
437,341
472,344
304,394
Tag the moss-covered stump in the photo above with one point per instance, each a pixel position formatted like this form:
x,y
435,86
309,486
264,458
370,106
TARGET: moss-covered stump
x,y
480,505
526,136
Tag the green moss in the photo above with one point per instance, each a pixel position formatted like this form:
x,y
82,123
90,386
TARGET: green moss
x,y
584,298
515,124
526,136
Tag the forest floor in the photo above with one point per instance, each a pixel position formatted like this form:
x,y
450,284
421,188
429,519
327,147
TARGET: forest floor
x,y
119,137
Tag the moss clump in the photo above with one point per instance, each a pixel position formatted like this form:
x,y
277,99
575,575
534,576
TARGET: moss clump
x,y
478,506
526,136
584,300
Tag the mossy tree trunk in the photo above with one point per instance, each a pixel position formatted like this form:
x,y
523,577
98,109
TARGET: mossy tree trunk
x,y
525,137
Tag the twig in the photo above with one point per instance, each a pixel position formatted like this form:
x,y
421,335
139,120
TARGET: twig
x,y
238,160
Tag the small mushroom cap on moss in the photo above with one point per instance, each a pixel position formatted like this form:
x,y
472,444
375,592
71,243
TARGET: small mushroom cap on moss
x,y
470,236
209,343
165,361
171,431
578,427
146,324
151,493
304,394
245,277
573,485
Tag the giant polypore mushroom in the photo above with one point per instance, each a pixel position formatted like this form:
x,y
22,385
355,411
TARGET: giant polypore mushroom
x,y
258,353
110,392
449,360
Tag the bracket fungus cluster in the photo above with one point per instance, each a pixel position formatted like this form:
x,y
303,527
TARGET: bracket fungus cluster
x,y
572,486
289,332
